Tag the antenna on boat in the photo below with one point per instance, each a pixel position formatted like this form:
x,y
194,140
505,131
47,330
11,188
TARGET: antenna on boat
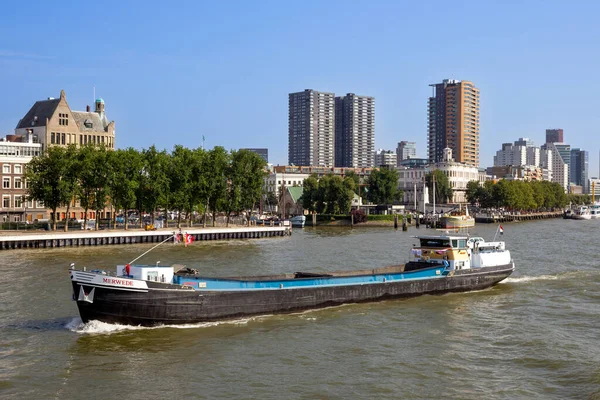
x,y
143,254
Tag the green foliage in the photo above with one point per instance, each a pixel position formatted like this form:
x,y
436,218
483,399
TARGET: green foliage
x,y
518,195
185,180
383,186
51,178
331,194
379,217
443,190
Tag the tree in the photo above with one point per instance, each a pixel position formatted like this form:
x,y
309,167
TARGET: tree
x,y
48,180
472,192
246,173
443,190
215,165
383,186
125,179
155,180
181,181
310,189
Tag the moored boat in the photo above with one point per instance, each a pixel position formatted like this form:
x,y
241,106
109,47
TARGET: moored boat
x,y
154,294
298,221
595,211
458,219
582,213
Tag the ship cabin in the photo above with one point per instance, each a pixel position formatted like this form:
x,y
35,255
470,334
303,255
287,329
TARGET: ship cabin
x,y
154,273
437,249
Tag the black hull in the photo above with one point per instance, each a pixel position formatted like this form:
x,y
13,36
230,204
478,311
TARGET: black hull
x,y
184,306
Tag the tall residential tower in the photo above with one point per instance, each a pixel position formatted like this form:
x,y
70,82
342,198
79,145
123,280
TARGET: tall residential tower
x,y
311,132
354,131
453,121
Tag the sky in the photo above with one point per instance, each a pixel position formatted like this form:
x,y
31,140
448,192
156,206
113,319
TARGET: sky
x,y
174,72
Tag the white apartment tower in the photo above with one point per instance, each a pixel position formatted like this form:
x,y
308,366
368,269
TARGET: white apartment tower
x,y
354,131
311,128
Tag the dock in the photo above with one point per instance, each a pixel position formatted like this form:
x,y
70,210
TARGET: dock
x,y
498,217
121,237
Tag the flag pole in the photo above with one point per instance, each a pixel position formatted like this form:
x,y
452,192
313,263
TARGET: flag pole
x,y
496,234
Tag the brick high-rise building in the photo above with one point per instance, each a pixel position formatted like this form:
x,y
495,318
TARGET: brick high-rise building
x,y
453,121
311,128
354,131
554,136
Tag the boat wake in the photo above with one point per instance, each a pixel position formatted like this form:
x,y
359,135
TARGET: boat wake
x,y
577,275
525,279
98,327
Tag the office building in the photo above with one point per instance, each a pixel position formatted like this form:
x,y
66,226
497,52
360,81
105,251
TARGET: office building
x,y
354,131
453,122
554,135
385,158
264,153
15,153
553,162
406,150
579,169
311,128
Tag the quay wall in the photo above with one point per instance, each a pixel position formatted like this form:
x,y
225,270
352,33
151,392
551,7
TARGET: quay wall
x,y
510,217
103,238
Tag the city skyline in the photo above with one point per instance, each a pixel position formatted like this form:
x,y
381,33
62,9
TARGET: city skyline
x,y
176,85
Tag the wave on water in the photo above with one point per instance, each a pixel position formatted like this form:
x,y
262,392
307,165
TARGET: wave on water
x,y
98,327
558,276
525,279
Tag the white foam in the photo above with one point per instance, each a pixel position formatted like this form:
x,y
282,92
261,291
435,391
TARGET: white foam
x,y
524,279
97,327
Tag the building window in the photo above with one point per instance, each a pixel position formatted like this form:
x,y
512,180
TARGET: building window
x,y
6,168
18,169
19,201
63,119
18,183
6,183
52,137
63,138
6,201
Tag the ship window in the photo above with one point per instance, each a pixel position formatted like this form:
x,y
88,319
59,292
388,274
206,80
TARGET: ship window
x,y
462,243
434,242
455,243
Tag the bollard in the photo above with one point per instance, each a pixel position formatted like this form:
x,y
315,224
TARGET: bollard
x,y
395,221
404,227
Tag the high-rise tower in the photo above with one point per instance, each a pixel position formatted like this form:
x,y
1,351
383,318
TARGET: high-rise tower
x,y
554,136
454,121
311,134
354,131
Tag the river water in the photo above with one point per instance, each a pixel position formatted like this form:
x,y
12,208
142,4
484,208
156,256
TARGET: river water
x,y
534,336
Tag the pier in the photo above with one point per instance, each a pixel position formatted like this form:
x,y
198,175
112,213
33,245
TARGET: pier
x,y
104,238
497,217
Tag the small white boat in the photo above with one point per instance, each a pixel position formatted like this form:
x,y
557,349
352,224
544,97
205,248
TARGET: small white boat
x,y
582,213
595,211
298,221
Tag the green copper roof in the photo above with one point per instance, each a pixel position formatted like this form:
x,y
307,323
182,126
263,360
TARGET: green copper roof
x,y
99,100
295,192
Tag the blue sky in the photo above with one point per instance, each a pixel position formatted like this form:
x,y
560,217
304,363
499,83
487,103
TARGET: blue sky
x,y
172,72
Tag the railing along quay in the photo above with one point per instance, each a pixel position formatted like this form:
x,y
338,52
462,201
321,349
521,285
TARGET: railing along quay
x,y
103,238
510,217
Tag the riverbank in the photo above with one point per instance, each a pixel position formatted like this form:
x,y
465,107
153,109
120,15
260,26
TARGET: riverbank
x,y
43,239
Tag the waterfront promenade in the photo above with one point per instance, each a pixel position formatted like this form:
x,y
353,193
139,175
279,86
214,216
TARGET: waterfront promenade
x,y
40,239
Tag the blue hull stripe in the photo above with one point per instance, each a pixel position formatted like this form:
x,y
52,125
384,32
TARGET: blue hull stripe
x,y
201,283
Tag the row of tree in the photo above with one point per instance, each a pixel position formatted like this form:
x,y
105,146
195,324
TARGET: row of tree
x,y
517,195
185,180
332,194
